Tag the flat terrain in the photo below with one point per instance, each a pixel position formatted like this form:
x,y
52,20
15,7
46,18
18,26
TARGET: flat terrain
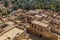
x,y
34,37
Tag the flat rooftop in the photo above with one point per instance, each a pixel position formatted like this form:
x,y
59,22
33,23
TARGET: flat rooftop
x,y
12,33
38,16
10,23
40,23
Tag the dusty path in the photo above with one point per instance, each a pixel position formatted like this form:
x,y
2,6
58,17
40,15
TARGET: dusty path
x,y
34,37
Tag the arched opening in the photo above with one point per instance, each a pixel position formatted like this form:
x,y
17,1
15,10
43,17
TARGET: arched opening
x,y
40,35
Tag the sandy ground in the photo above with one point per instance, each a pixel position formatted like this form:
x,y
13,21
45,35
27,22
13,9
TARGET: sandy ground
x,y
34,37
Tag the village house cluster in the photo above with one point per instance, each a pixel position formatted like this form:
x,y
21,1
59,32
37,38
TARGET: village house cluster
x,y
43,23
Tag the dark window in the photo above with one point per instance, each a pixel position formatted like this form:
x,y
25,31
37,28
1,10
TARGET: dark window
x,y
8,38
41,30
40,35
34,26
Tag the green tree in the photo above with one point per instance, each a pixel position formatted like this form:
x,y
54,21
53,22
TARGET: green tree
x,y
5,12
6,3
